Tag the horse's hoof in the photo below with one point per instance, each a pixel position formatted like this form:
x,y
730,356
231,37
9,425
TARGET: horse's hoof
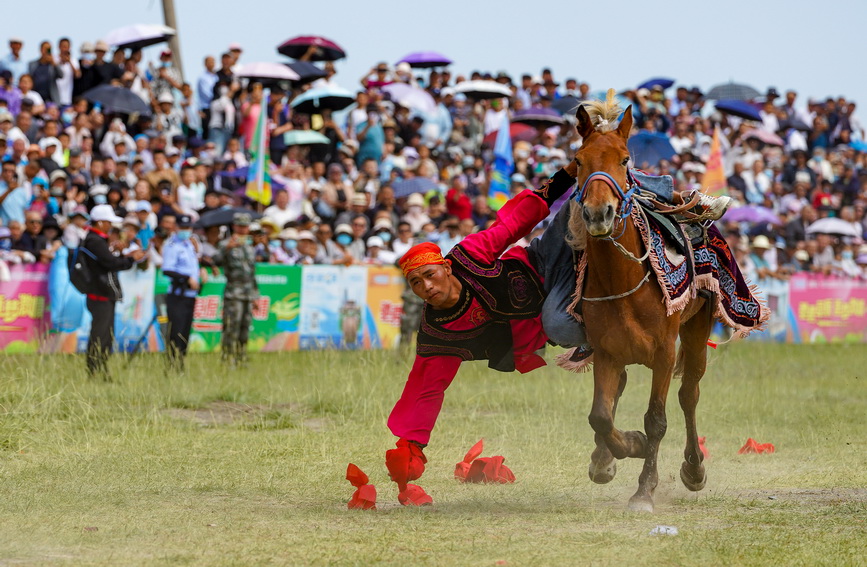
x,y
602,474
688,480
641,504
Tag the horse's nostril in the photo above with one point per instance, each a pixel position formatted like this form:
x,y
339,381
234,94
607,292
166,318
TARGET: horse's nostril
x,y
609,211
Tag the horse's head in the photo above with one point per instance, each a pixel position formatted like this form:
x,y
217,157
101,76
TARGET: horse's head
x,y
602,166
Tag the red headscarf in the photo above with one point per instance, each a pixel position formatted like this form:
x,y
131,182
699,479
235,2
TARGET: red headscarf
x,y
421,255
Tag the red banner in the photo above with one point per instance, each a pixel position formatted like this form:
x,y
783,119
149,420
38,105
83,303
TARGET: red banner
x,y
24,316
828,309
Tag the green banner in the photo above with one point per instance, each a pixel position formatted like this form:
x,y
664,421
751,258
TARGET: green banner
x,y
275,314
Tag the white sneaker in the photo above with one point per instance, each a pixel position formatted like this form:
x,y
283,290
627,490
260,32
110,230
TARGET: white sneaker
x,y
715,207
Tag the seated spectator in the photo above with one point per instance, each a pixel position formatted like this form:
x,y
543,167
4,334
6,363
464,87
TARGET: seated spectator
x,y
309,249
377,253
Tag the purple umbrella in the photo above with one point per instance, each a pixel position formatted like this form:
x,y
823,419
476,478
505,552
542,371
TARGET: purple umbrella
x,y
426,59
752,214
538,116
740,108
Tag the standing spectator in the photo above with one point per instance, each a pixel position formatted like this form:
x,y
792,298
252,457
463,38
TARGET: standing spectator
x,y
221,123
66,81
281,211
103,265
181,266
237,257
105,71
45,72
14,199
166,76
205,92
13,62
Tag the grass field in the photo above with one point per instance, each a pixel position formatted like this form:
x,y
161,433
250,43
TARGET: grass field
x,y
246,467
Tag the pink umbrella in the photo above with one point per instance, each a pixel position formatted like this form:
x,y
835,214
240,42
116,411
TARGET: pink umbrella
x,y
765,136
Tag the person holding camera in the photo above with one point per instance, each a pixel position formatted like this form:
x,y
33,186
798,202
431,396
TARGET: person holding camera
x,y
181,266
104,290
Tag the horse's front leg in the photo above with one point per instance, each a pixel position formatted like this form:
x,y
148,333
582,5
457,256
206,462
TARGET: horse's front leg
x,y
654,426
607,375
603,466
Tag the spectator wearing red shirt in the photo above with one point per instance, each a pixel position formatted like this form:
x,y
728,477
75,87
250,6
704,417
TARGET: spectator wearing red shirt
x,y
458,204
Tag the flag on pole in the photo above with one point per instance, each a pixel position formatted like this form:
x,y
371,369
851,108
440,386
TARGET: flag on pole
x,y
501,173
714,180
258,176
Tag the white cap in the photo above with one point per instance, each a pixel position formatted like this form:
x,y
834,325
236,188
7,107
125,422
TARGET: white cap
x,y
403,67
166,97
375,241
306,235
48,141
104,213
98,189
142,206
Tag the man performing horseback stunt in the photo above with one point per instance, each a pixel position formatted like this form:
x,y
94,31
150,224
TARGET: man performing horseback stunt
x,y
486,301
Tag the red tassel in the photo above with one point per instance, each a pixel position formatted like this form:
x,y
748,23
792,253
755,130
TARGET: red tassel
x,y
712,344
702,447
463,467
752,446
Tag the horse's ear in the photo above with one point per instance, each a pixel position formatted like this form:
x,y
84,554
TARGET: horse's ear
x,y
585,125
625,125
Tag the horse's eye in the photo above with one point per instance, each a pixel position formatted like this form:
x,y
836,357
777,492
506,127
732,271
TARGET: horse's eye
x,y
577,162
625,162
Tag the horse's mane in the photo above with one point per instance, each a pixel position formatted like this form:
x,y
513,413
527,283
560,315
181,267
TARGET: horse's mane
x,y
605,116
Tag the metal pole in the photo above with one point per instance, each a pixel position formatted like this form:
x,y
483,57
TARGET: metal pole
x,y
175,41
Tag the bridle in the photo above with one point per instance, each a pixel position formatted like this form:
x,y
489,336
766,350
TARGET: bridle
x,y
625,197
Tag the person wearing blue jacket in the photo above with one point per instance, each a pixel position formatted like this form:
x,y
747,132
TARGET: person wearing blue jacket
x,y
181,266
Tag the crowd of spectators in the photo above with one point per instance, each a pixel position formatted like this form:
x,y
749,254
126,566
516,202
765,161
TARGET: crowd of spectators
x,y
335,202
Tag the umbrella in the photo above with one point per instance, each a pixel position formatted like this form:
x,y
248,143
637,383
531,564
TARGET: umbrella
x,y
315,101
326,50
858,145
426,59
833,225
411,97
650,148
657,82
307,72
795,123
225,216
765,136
732,91
566,105
538,117
304,138
517,132
274,71
482,90
138,36
752,214
739,108
117,99
406,187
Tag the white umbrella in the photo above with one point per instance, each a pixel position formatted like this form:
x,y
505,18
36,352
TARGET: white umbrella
x,y
411,97
138,36
275,71
483,89
833,225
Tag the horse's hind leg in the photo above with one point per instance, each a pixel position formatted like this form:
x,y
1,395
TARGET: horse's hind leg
x,y
691,364
655,425
603,466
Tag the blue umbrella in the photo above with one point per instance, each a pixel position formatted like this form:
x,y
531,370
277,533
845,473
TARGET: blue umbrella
x,y
406,187
858,145
315,101
650,148
656,82
740,108
304,138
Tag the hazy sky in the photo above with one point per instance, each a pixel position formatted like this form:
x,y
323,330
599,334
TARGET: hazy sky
x,y
810,46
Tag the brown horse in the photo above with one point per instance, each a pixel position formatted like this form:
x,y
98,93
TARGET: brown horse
x,y
624,314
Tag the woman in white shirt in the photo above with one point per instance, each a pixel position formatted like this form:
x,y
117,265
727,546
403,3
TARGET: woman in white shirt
x,y
190,194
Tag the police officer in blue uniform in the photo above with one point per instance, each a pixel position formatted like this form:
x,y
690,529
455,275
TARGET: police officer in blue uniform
x,y
181,266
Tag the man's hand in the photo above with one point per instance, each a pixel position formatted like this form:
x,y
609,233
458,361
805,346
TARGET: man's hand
x,y
137,254
194,283
233,242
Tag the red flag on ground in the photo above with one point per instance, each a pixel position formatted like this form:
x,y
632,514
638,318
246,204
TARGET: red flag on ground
x,y
752,446
364,497
482,469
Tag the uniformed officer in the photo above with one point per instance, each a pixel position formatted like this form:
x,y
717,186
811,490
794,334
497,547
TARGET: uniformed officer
x,y
181,266
237,256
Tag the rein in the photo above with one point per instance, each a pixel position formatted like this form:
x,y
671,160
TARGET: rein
x,y
624,196
620,295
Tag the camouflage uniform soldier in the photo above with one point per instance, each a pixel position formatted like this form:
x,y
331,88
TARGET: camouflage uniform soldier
x,y
237,257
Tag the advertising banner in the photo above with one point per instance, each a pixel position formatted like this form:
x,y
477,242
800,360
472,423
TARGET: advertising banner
x,y
334,307
827,309
24,314
384,286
